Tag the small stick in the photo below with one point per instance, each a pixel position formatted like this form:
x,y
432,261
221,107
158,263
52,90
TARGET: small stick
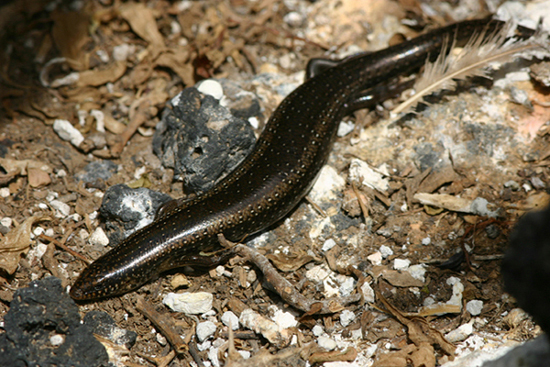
x,y
163,324
284,288
62,246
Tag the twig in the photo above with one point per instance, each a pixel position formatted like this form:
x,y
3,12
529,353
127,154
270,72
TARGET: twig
x,y
62,246
284,288
163,324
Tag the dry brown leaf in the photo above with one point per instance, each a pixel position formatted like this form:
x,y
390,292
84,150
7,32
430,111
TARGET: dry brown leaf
x,y
438,309
423,357
17,242
418,330
347,355
70,34
536,200
392,359
38,177
396,278
456,204
98,77
178,63
83,94
438,178
21,167
113,125
291,262
143,23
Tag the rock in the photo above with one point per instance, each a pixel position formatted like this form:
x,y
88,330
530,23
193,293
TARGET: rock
x,y
229,319
534,353
132,209
102,324
326,342
189,303
460,333
401,264
200,139
205,330
68,132
474,307
37,314
346,318
97,170
526,265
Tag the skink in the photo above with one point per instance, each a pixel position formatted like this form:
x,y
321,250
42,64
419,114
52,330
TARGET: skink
x,y
282,167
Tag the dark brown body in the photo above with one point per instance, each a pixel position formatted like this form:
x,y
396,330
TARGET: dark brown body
x,y
270,182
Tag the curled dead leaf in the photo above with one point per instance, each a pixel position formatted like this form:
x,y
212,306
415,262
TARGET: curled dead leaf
x,y
347,355
38,171
17,242
290,262
96,77
143,23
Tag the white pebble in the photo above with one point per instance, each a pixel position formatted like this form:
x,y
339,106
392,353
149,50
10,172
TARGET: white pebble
x,y
346,318
357,334
317,274
317,330
161,339
426,241
4,192
189,303
254,122
229,319
284,319
326,342
261,325
361,173
327,186
458,288
330,243
474,307
68,132
52,195
385,251
36,253
6,222
345,128
460,333
211,88
244,353
207,344
98,237
205,330
376,258
294,19
401,264
100,120
213,357
418,272
62,210
368,292
428,301
347,286
122,51
220,270
57,339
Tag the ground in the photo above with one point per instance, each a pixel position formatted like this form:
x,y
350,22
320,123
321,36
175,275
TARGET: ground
x,y
471,144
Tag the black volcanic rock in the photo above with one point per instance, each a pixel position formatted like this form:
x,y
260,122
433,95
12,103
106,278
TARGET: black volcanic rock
x,y
43,328
526,266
